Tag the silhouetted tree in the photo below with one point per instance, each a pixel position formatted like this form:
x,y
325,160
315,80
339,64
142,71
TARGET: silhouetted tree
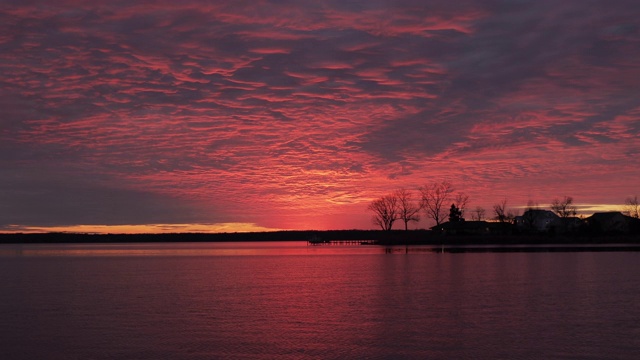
x,y
455,215
503,214
434,198
408,209
478,213
500,209
461,203
564,208
385,210
632,207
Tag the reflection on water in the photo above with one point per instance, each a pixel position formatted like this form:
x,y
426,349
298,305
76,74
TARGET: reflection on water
x,y
276,248
273,300
187,249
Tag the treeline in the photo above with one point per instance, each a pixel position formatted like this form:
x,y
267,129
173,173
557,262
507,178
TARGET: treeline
x,y
393,237
405,206
440,202
292,235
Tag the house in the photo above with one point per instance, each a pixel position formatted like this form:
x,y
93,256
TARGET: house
x,y
536,220
609,222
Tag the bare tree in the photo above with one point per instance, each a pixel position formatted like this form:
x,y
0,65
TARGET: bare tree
x,y
435,198
632,207
564,208
478,213
500,209
461,201
385,211
408,208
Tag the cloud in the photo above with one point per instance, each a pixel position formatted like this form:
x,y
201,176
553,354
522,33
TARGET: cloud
x,y
229,111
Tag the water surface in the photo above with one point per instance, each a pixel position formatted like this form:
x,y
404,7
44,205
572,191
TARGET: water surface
x,y
288,300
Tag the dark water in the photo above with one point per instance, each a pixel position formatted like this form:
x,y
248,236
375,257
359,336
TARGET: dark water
x,y
290,301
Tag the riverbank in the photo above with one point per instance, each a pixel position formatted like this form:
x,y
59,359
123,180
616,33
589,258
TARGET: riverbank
x,y
396,237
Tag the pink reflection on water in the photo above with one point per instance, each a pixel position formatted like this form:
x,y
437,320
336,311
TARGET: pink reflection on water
x,y
271,248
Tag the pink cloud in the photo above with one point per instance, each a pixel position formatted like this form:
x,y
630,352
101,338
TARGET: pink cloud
x,y
297,115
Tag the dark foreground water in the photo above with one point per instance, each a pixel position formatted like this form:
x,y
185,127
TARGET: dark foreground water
x,y
290,301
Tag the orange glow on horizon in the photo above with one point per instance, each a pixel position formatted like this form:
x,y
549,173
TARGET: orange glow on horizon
x,y
319,221
143,229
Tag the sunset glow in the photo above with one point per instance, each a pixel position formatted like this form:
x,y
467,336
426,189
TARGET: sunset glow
x,y
141,229
232,116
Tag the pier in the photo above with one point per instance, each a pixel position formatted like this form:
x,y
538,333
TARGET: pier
x,y
318,242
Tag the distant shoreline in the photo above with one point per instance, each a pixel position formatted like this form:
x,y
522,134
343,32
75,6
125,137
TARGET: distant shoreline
x,y
395,237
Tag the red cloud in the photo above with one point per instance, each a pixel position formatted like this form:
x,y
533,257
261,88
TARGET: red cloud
x,y
315,109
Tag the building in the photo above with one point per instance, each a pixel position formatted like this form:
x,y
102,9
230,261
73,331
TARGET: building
x,y
609,222
536,220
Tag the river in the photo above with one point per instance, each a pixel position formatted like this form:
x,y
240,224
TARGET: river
x,y
288,300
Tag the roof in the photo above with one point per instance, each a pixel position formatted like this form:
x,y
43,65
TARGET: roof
x,y
607,216
537,213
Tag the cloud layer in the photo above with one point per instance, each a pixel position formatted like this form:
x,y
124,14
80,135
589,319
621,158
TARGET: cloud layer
x,y
295,114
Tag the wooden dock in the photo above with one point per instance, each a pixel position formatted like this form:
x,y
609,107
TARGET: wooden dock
x,y
318,242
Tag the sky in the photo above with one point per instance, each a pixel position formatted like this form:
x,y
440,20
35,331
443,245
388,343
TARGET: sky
x,y
172,116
